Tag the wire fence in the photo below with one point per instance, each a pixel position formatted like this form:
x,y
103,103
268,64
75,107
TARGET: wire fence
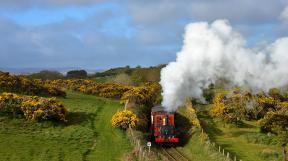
x,y
192,116
141,152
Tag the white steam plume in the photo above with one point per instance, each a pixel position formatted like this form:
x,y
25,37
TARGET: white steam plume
x,y
217,51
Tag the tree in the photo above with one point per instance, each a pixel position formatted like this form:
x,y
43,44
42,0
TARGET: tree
x,y
47,75
123,79
275,93
277,122
208,93
78,74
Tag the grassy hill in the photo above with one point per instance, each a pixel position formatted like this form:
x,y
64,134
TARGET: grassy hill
x,y
136,75
87,136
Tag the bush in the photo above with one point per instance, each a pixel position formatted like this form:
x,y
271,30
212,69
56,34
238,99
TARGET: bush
x,y
10,104
122,79
208,93
33,107
46,75
77,74
274,122
124,119
260,138
270,153
223,110
18,84
192,113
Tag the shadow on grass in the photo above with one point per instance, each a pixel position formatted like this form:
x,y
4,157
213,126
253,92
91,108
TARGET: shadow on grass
x,y
183,126
245,125
77,118
209,125
213,131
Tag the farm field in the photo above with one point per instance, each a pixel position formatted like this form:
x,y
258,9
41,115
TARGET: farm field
x,y
87,136
244,141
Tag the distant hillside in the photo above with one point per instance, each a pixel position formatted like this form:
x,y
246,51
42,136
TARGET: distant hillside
x,y
126,74
26,71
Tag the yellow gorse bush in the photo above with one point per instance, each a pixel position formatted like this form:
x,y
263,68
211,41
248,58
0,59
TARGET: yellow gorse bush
x,y
18,84
192,115
124,119
234,106
33,107
218,106
229,106
141,95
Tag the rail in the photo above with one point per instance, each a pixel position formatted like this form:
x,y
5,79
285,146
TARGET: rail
x,y
173,154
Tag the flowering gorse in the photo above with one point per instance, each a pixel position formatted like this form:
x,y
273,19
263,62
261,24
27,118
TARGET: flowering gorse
x,y
124,119
33,107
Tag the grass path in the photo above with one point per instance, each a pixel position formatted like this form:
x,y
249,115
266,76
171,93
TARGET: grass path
x,y
88,135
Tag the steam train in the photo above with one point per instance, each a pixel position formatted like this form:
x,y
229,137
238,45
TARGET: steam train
x,y
162,126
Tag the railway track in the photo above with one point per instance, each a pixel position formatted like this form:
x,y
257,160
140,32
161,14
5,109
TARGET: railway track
x,y
173,154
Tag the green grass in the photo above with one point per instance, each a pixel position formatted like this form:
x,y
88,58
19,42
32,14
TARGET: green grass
x,y
239,140
197,151
87,136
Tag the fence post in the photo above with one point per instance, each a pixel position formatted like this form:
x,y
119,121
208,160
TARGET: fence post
x,y
140,155
138,143
219,149
235,158
228,155
223,152
144,155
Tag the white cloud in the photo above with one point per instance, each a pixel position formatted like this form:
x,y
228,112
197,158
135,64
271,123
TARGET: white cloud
x,y
247,11
284,15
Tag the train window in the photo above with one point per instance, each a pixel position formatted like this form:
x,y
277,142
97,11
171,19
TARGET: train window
x,y
159,120
165,120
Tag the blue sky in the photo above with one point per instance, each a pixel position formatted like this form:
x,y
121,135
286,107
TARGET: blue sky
x,y
98,34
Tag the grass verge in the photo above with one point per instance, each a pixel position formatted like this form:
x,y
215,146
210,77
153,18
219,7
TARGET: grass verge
x,y
87,136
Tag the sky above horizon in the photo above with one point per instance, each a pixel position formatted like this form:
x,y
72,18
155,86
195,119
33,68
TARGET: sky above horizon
x,y
98,34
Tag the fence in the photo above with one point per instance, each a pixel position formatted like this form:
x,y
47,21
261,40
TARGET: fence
x,y
141,152
205,137
228,156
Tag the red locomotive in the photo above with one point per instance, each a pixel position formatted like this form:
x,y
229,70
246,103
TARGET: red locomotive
x,y
162,125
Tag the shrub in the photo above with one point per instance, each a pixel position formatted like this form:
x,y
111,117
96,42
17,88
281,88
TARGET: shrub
x,y
33,107
270,153
78,74
274,122
124,119
192,113
10,103
18,84
46,75
122,78
260,138
231,107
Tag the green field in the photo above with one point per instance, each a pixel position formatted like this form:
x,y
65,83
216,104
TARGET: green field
x,y
87,136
